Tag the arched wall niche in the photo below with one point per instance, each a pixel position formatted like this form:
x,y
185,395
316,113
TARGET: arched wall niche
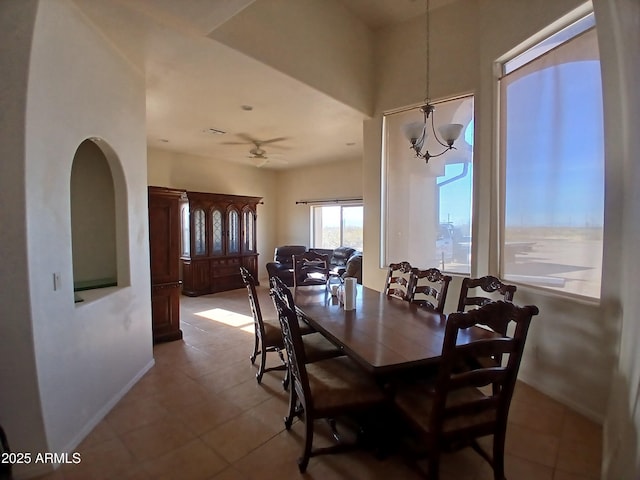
x,y
99,227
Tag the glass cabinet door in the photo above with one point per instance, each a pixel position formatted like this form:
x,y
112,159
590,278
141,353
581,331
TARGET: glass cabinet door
x,y
217,247
234,231
199,232
185,240
248,220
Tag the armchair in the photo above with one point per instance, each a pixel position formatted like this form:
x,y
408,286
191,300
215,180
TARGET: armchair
x,y
282,265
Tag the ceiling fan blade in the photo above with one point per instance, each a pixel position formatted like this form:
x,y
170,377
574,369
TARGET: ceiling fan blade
x,y
279,147
247,138
273,140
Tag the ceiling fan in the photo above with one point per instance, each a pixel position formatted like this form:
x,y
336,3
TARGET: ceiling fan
x,y
260,159
248,140
257,153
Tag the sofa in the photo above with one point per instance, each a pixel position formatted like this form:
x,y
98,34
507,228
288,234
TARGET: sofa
x,y
343,261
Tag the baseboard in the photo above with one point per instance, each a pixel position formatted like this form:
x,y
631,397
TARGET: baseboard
x,y
572,404
36,469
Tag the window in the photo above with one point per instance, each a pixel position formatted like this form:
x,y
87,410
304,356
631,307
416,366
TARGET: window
x,y
337,225
427,207
552,149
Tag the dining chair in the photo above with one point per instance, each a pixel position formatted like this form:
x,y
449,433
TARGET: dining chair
x,y
397,282
455,409
493,288
310,268
428,288
268,336
326,389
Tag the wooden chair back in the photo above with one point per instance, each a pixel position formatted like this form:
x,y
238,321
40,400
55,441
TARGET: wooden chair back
x,y
331,388
428,288
457,411
494,288
250,284
398,279
283,301
268,337
310,268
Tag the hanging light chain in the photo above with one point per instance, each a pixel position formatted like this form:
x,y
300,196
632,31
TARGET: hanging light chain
x,y
427,99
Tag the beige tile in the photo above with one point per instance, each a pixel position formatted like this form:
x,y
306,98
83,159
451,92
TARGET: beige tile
x,y
156,439
560,475
580,458
134,414
240,436
184,395
193,461
155,381
101,433
580,449
578,427
55,475
531,445
228,375
544,417
282,452
249,393
230,474
207,415
102,461
520,469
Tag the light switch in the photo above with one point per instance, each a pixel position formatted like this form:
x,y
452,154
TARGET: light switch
x,y
56,281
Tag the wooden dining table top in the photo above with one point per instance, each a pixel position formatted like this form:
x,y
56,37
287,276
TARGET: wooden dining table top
x,y
384,335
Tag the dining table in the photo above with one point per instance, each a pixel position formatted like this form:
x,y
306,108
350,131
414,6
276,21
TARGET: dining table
x,y
384,335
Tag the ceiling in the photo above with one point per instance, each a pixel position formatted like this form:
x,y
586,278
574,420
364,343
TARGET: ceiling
x,y
188,93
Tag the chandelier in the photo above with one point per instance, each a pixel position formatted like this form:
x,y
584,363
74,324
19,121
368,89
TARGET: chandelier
x,y
417,132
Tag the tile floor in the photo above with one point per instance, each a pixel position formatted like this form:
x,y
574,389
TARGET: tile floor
x,y
199,414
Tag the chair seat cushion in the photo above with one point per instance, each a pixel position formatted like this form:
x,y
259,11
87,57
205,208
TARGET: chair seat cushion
x,y
339,383
317,347
272,335
416,402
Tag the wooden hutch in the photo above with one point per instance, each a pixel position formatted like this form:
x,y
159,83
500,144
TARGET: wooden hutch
x,y
219,233
165,206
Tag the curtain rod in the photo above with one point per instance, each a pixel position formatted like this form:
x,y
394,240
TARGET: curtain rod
x,y
337,200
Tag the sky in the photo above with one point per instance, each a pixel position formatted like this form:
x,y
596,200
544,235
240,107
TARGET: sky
x,y
555,176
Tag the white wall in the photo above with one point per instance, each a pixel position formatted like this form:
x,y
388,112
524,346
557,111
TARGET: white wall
x,y
329,181
20,404
619,37
319,42
87,355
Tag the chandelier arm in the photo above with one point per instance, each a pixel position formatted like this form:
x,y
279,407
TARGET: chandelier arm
x,y
435,135
426,155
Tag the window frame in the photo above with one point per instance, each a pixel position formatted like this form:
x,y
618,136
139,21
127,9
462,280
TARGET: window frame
x,y
342,205
387,160
572,25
